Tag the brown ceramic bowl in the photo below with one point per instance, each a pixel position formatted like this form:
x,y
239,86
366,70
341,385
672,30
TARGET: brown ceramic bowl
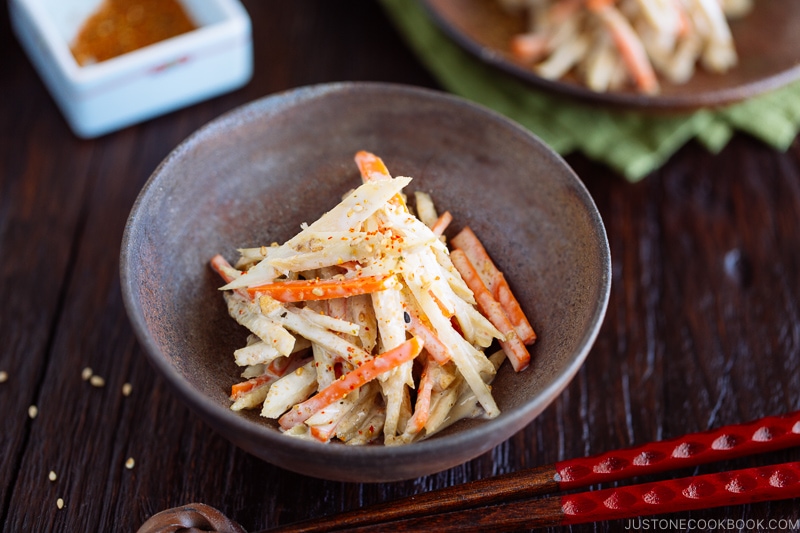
x,y
767,42
255,174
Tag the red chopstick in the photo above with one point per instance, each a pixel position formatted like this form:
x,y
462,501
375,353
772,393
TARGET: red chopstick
x,y
493,503
698,492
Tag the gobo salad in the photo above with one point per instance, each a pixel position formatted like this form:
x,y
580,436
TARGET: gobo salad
x,y
365,327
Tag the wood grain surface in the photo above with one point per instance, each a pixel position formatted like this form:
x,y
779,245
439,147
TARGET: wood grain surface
x,y
702,330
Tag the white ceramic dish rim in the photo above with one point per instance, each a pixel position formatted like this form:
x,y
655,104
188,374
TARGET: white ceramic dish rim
x,y
233,21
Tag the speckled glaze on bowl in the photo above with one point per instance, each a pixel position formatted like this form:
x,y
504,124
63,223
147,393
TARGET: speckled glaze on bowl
x,y
255,174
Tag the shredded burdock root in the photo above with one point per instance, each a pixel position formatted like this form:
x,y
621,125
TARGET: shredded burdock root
x,y
366,327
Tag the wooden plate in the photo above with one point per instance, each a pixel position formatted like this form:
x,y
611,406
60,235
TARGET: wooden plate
x,y
767,41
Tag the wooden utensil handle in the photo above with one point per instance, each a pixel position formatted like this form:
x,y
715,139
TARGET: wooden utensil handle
x,y
738,487
763,435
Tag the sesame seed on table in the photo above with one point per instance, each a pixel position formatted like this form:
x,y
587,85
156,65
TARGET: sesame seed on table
x,y
702,328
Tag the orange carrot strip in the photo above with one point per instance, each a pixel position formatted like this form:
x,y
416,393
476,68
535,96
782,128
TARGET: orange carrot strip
x,y
443,308
238,389
371,167
627,42
442,222
351,381
491,309
433,345
684,25
502,293
467,241
222,267
275,369
321,289
422,407
495,282
532,47
529,47
324,433
596,5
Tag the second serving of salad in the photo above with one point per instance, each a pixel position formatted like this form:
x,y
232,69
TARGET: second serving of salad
x,y
608,43
365,327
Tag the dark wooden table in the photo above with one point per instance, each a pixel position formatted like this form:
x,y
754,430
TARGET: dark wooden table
x,y
702,330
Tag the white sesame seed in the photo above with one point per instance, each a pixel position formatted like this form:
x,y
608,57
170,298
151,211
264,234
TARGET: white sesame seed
x,y
129,463
126,389
3,376
86,373
52,476
60,503
33,411
97,381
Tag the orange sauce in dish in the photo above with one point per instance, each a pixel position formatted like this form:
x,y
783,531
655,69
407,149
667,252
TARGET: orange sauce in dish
x,y
121,26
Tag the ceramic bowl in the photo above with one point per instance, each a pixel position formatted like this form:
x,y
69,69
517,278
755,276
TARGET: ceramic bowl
x,y
254,175
766,40
99,98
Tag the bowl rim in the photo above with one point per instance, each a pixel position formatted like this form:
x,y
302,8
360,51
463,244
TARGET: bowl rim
x,y
623,100
222,417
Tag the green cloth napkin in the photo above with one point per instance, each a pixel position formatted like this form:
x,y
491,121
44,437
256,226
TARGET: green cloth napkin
x,y
634,143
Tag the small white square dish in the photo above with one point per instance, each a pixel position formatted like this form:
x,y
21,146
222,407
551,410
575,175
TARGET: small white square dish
x,y
98,98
